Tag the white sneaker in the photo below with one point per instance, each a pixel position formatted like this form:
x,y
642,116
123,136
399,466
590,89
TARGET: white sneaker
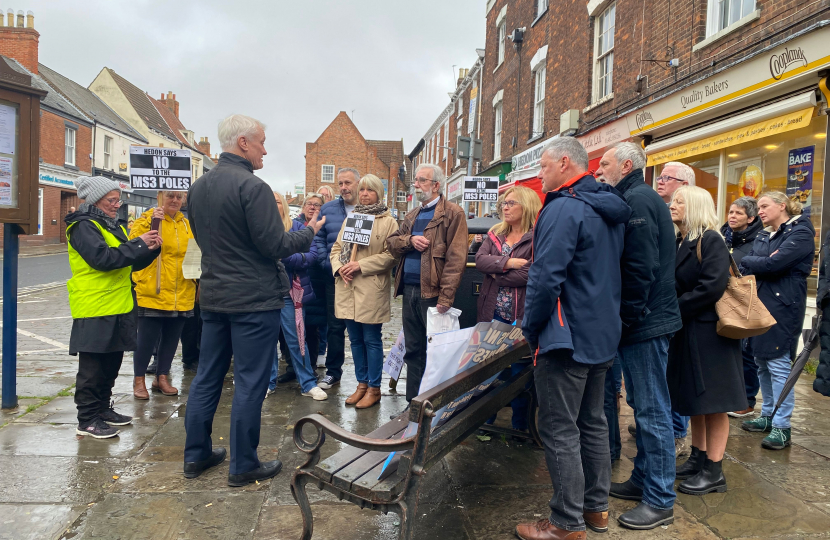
x,y
269,392
321,360
317,394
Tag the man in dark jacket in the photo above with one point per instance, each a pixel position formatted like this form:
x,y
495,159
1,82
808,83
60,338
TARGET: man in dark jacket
x,y
822,382
237,225
572,322
650,316
739,231
335,213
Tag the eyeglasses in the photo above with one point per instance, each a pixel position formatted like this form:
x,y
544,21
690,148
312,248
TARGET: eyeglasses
x,y
510,204
422,181
114,201
665,178
313,205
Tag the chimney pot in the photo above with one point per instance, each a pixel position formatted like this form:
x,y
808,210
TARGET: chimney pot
x,y
30,19
20,18
10,17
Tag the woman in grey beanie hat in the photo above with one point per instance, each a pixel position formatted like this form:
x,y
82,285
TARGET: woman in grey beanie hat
x,y
102,300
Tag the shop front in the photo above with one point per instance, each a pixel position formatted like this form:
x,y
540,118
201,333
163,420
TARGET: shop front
x,y
597,141
56,196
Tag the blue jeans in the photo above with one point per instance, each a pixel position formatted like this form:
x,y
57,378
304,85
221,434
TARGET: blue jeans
x,y
644,368
613,384
679,424
750,376
367,352
301,363
772,375
251,339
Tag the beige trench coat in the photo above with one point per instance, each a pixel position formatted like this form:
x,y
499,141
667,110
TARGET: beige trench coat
x,y
367,298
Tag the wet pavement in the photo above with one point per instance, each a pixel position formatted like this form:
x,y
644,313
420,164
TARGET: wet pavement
x,y
54,485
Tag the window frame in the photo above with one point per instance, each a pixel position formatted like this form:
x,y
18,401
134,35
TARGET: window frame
x,y
498,126
718,14
541,7
501,32
539,81
67,146
323,174
602,74
107,152
401,197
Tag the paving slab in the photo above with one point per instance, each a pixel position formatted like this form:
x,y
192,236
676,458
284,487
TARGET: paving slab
x,y
498,463
42,386
42,479
819,445
36,521
61,440
167,477
8,415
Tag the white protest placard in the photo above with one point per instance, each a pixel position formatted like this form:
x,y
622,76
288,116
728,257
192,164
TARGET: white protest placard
x,y
192,262
394,361
163,169
481,188
358,228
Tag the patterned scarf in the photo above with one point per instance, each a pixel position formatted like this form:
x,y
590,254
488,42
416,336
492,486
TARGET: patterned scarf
x,y
96,212
370,209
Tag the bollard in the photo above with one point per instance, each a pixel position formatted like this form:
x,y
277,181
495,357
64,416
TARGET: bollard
x,y
11,249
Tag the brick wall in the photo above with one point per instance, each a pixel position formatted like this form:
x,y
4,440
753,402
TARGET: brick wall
x,y
20,44
53,142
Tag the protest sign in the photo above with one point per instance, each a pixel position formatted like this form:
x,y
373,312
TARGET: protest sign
x,y
358,229
481,188
162,169
394,362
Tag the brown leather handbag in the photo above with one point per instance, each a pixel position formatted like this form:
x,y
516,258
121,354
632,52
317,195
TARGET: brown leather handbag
x,y
741,314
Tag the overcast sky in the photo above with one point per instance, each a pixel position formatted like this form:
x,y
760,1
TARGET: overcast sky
x,y
292,64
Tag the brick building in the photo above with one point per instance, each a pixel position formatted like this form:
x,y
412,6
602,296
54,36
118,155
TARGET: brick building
x,y
342,145
65,132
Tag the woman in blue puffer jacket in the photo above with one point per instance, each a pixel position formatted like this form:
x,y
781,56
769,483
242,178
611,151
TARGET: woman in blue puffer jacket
x,y
781,259
296,266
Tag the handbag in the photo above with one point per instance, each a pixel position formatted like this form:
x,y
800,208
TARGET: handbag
x,y
741,314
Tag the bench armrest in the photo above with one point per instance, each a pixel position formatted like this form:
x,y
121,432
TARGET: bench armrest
x,y
325,426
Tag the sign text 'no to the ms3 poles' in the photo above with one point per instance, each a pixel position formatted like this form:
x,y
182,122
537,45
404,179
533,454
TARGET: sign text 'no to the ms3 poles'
x,y
166,169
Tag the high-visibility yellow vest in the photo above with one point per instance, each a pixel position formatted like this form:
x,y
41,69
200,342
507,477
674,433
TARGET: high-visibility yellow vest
x,y
93,293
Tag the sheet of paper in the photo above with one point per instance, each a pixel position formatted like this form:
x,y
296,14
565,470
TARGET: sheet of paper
x,y
5,181
192,263
8,118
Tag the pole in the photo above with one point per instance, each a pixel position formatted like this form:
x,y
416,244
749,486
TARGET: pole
x,y
11,248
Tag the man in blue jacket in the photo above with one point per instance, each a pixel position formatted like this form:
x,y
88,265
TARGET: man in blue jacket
x,y
650,316
335,213
572,324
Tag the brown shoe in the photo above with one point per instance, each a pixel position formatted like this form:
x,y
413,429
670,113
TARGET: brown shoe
x,y
140,389
162,384
545,530
372,396
358,394
742,414
596,521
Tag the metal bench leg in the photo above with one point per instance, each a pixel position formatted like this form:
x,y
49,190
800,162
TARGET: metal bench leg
x,y
408,511
298,484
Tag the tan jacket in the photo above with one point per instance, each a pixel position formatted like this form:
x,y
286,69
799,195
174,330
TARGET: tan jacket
x,y
366,299
443,262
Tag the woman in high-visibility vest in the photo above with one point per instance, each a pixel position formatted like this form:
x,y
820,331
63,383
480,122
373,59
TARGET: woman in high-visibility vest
x,y
101,300
165,298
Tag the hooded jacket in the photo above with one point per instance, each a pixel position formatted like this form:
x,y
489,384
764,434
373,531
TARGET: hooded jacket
x,y
649,302
782,283
238,228
740,243
573,290
299,263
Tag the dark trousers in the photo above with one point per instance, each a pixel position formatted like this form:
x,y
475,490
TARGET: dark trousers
x,y
251,338
574,434
94,382
191,336
336,337
415,337
753,385
613,384
164,331
822,382
312,341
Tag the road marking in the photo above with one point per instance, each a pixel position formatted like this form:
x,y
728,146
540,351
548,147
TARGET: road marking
x,y
33,302
26,353
46,340
44,319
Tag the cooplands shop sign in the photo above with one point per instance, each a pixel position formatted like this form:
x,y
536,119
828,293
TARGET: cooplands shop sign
x,y
796,59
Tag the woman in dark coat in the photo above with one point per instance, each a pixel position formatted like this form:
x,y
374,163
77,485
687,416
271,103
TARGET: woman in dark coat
x,y
781,259
504,258
704,372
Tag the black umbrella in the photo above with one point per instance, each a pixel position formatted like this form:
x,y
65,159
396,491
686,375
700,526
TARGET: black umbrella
x,y
811,341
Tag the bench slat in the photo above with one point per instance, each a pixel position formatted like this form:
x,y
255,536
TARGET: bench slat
x,y
344,478
326,469
366,486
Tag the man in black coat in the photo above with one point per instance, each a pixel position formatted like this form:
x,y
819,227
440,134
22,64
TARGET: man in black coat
x,y
739,231
238,228
822,382
650,315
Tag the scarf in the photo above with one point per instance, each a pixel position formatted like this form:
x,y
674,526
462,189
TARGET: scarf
x,y
370,209
96,212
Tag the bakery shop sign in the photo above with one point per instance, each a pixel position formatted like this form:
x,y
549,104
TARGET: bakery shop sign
x,y
779,63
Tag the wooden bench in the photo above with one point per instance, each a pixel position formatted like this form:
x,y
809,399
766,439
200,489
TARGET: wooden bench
x,y
352,473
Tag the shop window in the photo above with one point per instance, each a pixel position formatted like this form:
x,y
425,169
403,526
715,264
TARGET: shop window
x,y
69,146
604,53
723,13
107,152
328,174
497,132
539,101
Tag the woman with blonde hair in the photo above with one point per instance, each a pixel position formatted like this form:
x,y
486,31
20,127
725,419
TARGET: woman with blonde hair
x,y
781,259
327,193
705,370
504,259
362,284
165,298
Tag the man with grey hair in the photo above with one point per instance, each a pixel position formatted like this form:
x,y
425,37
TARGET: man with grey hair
x,y
432,247
572,323
335,213
674,175
237,225
650,315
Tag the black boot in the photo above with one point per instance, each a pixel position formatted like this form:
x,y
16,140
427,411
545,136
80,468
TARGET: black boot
x,y
706,481
693,465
